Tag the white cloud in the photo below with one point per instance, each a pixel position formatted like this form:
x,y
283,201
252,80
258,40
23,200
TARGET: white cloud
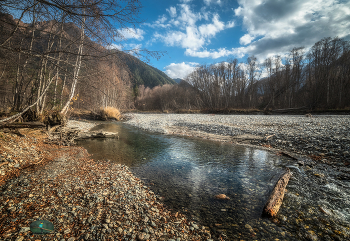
x,y
172,11
208,2
222,52
135,46
161,20
209,30
187,17
246,39
130,33
160,23
190,39
188,35
230,24
115,46
180,70
276,27
282,25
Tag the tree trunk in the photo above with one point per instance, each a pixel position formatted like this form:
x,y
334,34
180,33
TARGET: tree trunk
x,y
76,68
275,200
58,62
63,86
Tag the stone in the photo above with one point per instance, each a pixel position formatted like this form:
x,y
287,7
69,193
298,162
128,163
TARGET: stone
x,y
24,229
19,238
222,197
141,236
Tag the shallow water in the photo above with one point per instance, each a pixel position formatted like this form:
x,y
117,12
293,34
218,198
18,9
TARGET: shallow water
x,y
188,173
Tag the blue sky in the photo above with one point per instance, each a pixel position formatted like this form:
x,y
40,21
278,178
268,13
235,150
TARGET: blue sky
x,y
196,32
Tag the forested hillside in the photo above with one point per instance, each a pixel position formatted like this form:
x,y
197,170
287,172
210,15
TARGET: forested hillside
x,y
37,68
55,59
52,57
144,74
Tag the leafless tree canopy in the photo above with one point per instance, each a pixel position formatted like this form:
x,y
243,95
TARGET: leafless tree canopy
x,y
318,79
52,55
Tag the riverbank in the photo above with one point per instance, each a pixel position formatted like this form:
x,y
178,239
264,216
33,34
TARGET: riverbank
x,y
323,138
83,198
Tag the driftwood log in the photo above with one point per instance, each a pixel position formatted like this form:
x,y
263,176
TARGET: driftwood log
x,y
67,136
275,200
24,125
96,134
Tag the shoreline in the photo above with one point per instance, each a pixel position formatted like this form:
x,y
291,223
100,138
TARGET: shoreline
x,y
64,185
83,198
323,139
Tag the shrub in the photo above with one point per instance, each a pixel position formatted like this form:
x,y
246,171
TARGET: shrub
x,y
110,112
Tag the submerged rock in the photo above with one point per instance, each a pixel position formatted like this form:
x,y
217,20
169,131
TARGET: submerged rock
x,y
222,197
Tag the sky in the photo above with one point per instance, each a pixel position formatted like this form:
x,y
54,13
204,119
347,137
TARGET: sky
x,y
195,32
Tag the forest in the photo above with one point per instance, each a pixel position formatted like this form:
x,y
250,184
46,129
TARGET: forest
x,y
54,56
313,79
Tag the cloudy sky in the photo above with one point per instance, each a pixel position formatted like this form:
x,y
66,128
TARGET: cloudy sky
x,y
208,31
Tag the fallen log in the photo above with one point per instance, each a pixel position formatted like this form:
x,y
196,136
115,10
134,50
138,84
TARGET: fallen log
x,y
275,200
96,134
23,125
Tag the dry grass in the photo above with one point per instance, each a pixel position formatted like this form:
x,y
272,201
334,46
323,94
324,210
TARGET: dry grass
x,y
110,113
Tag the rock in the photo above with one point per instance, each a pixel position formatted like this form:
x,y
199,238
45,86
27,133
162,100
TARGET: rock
x,y
24,229
319,175
325,211
141,236
19,238
222,197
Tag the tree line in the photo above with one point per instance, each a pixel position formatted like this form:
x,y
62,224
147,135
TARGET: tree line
x,y
317,78
52,55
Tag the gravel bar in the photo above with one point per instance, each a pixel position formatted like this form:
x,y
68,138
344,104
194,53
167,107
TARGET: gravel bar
x,y
324,138
84,199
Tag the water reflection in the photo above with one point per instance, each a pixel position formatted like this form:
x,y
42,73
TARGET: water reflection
x,y
125,149
188,173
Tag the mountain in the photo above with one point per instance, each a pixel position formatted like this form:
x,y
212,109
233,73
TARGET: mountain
x,y
144,74
177,80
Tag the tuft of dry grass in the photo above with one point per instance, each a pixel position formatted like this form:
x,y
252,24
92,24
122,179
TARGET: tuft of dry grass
x,y
110,112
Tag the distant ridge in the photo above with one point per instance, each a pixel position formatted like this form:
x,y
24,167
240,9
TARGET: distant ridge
x,y
178,80
143,73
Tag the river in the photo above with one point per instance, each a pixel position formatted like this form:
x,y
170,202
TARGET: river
x,y
187,174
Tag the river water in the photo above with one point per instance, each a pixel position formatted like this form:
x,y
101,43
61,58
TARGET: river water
x,y
187,174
